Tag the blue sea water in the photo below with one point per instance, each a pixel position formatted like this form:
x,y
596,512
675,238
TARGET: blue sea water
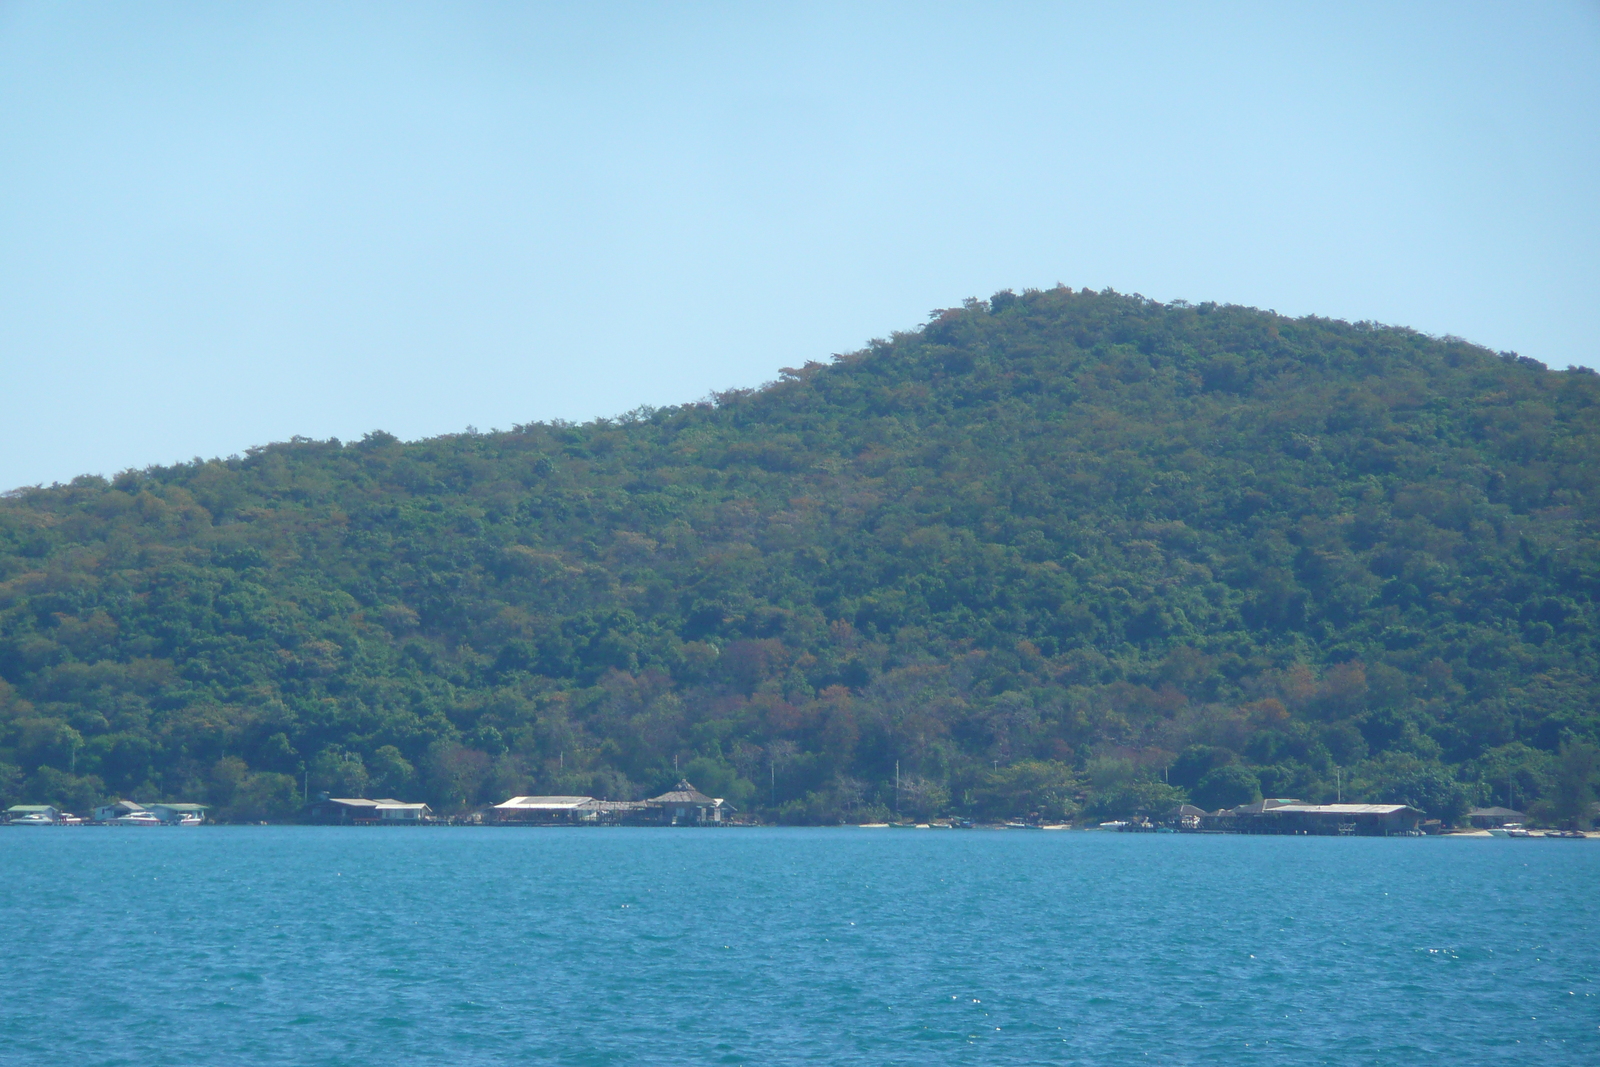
x,y
323,946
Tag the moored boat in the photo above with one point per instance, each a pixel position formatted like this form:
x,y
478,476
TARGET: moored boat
x,y
136,818
32,819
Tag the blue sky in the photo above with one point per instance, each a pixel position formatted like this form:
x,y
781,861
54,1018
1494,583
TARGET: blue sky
x,y
226,224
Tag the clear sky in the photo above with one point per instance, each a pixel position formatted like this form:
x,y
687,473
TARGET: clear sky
x,y
226,224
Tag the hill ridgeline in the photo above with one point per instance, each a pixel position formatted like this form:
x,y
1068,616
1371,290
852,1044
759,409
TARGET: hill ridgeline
x,y
1059,554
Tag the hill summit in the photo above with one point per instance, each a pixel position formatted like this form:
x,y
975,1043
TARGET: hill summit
x,y
1054,554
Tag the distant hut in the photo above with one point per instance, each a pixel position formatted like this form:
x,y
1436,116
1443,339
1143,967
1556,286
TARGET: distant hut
x,y
174,814
1184,817
551,810
1365,820
685,805
1264,805
32,813
359,811
114,811
399,811
1495,818
565,811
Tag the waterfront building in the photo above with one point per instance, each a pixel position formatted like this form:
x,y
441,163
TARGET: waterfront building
x,y
565,811
684,805
401,811
1184,817
542,809
1495,818
175,813
33,813
361,811
116,810
1286,816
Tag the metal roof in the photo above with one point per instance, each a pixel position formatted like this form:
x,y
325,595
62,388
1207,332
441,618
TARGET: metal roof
x,y
26,809
1268,804
544,803
683,794
1345,809
354,802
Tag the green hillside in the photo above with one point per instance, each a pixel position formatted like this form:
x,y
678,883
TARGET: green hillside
x,y
1058,553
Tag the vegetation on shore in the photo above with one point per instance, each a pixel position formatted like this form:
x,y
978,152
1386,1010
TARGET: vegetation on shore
x,y
1058,553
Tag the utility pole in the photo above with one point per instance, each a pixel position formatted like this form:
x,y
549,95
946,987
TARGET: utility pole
x,y
1338,777
897,787
772,771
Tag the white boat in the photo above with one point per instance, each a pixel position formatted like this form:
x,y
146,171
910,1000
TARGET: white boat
x,y
33,818
136,818
189,820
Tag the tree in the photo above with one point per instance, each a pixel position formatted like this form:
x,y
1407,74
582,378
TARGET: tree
x,y
392,774
1432,789
717,779
1572,805
1043,789
1227,787
1118,788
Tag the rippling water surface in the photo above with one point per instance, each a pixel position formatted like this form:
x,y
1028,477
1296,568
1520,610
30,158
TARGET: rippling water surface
x,y
308,946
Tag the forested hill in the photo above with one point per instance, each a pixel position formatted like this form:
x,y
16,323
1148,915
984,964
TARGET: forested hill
x,y
1056,553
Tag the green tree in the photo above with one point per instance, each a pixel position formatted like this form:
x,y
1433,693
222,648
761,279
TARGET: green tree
x,y
1227,787
1118,789
1042,789
391,773
1430,788
1572,804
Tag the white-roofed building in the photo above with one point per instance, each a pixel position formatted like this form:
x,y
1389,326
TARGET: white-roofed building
x,y
546,809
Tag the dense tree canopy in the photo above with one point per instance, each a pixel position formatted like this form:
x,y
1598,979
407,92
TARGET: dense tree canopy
x,y
1054,553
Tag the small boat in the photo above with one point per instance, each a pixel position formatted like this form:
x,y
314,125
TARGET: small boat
x,y
137,818
33,818
189,820
1115,824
